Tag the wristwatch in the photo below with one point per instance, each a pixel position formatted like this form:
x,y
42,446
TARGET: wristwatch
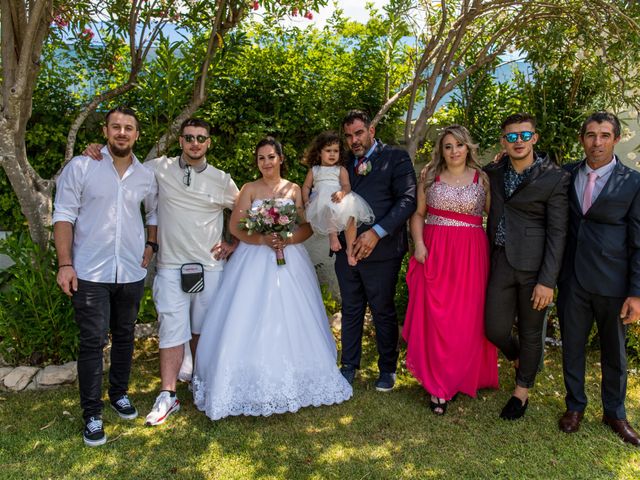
x,y
153,245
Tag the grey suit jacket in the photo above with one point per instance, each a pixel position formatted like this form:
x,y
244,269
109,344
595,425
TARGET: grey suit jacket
x,y
535,218
603,247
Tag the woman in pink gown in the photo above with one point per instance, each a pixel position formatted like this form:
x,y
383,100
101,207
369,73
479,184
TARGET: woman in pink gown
x,y
446,348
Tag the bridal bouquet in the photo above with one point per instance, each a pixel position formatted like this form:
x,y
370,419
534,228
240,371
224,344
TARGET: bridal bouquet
x,y
272,216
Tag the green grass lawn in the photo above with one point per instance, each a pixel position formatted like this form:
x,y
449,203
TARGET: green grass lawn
x,y
372,436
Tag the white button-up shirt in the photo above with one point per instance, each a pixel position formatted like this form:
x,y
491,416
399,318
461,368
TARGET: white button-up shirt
x,y
108,235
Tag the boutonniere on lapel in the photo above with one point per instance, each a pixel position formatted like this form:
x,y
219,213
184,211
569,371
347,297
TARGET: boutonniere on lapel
x,y
363,166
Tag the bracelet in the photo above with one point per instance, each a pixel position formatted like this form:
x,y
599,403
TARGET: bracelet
x,y
65,265
154,246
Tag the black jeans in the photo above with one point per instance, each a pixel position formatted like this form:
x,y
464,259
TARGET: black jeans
x,y
100,308
509,297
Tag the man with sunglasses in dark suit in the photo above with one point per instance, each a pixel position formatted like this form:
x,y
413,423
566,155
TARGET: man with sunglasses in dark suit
x,y
600,278
527,228
192,195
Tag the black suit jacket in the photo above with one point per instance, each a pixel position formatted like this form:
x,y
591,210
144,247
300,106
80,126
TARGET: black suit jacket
x,y
603,247
535,218
390,189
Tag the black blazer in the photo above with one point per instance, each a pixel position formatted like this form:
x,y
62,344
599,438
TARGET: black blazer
x,y
535,218
390,189
603,247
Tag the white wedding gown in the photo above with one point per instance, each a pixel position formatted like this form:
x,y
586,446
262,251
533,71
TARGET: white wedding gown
x,y
266,346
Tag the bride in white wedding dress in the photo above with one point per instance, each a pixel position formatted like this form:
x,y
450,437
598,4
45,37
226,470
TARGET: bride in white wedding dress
x,y
266,346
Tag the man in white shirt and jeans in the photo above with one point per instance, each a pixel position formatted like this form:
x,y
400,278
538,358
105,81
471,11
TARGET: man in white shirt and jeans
x,y
102,259
192,196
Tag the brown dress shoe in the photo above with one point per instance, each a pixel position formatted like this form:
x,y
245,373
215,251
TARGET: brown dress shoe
x,y
623,429
570,421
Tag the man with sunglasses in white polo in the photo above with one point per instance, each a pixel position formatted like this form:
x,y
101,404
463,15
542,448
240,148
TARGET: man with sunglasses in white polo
x,y
192,196
527,229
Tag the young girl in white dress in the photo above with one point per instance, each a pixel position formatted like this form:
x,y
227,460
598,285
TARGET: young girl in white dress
x,y
331,206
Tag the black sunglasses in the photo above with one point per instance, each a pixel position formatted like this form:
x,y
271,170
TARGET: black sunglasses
x,y
192,138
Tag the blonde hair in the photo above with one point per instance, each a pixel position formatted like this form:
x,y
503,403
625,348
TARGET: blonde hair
x,y
437,164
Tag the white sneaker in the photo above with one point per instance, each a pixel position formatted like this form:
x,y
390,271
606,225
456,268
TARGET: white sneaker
x,y
165,405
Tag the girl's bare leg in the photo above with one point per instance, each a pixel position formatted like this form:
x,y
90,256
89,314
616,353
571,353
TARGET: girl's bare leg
x,y
350,236
334,243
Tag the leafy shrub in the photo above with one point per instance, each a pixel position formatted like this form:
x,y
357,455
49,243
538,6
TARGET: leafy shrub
x,y
147,312
401,298
331,305
633,342
36,318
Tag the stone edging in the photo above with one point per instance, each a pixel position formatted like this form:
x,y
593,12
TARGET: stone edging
x,y
16,379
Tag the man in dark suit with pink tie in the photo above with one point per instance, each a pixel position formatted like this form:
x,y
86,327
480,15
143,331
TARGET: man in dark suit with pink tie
x,y
600,277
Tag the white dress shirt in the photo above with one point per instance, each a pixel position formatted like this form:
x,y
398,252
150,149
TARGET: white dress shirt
x,y
108,234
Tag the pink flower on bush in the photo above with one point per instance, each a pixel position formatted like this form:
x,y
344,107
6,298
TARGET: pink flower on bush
x,y
256,5
87,34
59,21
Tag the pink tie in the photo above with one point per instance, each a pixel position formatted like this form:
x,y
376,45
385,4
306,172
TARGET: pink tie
x,y
587,198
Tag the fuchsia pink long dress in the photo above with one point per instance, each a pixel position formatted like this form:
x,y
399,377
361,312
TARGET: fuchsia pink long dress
x,y
444,328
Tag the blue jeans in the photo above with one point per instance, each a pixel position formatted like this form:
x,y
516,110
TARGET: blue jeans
x,y
101,308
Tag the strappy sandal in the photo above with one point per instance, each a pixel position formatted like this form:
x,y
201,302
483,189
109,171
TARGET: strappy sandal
x,y
438,408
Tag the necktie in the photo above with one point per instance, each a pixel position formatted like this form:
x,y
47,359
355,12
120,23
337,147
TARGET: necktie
x,y
587,197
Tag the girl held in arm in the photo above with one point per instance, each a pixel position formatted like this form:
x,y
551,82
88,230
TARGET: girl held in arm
x,y
331,206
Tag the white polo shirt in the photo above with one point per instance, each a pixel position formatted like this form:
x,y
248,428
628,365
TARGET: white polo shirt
x,y
108,234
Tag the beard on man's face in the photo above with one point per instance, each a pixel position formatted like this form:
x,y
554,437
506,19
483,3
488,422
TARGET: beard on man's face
x,y
118,151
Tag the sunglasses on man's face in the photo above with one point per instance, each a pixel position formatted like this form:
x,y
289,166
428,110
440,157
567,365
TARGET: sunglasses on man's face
x,y
513,136
192,138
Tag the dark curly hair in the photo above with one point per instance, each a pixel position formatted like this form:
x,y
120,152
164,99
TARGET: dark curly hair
x,y
311,156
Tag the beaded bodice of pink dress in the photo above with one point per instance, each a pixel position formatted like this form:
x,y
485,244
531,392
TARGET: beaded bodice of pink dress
x,y
465,200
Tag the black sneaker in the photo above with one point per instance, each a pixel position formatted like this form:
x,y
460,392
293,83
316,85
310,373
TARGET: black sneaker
x,y
93,434
385,382
349,373
514,409
124,408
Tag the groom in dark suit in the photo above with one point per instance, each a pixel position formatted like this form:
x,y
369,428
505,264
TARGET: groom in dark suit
x,y
527,229
600,277
384,176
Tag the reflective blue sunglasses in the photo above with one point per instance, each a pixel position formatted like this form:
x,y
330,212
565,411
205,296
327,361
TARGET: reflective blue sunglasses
x,y
513,136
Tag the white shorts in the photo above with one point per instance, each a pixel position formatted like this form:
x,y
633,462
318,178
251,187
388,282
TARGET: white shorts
x,y
180,314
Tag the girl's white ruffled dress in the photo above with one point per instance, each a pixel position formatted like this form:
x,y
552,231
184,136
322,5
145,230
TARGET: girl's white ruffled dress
x,y
328,217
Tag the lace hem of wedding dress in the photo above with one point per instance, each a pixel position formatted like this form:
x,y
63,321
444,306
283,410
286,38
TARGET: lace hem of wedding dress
x,y
264,398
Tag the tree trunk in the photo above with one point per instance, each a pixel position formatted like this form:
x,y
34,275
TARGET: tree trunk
x,y
34,194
